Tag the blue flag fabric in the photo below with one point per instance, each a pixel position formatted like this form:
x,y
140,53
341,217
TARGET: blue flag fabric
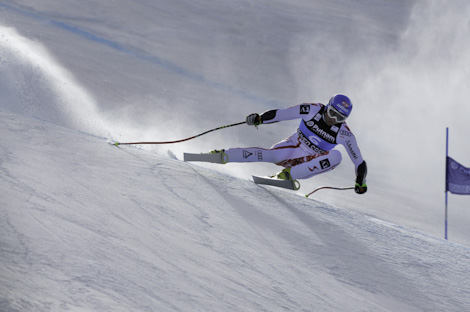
x,y
457,178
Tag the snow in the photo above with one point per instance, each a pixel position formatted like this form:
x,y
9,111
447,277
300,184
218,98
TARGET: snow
x,y
88,226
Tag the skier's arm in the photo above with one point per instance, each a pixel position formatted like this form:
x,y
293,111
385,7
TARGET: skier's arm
x,y
349,142
275,115
347,139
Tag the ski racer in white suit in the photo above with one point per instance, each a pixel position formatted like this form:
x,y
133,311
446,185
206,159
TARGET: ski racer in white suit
x,y
310,150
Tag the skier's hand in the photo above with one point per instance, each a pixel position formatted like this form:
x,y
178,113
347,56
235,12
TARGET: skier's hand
x,y
253,120
360,188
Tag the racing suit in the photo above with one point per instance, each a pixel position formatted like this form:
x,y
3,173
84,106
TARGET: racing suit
x,y
310,150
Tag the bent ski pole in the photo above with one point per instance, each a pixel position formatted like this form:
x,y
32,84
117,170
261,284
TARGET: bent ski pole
x,y
330,188
187,139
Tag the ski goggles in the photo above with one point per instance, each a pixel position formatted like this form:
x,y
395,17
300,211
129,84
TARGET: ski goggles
x,y
334,114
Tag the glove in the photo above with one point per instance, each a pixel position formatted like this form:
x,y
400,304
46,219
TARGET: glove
x,y
253,120
360,188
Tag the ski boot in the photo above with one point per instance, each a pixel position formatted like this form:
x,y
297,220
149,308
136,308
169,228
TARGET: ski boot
x,y
224,156
285,175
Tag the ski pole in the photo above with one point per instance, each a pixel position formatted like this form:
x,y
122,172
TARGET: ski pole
x,y
187,139
330,188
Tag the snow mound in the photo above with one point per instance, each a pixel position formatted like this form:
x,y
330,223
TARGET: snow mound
x,y
89,226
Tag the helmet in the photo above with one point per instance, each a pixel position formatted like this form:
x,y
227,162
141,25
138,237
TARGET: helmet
x,y
341,104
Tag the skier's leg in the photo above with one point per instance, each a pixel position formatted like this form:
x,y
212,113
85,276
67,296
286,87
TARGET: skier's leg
x,y
318,165
257,154
286,149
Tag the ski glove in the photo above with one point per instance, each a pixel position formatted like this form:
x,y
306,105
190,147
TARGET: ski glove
x,y
361,186
253,120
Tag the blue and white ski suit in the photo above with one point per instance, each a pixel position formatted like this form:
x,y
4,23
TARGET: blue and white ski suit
x,y
310,150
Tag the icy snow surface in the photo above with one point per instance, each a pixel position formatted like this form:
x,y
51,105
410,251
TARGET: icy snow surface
x,y
88,226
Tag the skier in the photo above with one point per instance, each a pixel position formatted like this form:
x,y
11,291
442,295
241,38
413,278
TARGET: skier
x,y
310,150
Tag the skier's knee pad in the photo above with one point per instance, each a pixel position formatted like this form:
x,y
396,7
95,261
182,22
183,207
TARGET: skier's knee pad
x,y
329,161
317,166
335,158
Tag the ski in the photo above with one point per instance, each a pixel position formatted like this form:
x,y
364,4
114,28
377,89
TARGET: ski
x,y
217,158
287,184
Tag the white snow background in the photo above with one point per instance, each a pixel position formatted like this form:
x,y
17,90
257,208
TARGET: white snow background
x,y
87,226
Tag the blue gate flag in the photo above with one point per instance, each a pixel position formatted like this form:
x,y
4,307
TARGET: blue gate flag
x,y
457,178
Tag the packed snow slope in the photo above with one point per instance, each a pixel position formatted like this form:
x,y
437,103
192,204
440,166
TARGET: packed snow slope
x,y
88,226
